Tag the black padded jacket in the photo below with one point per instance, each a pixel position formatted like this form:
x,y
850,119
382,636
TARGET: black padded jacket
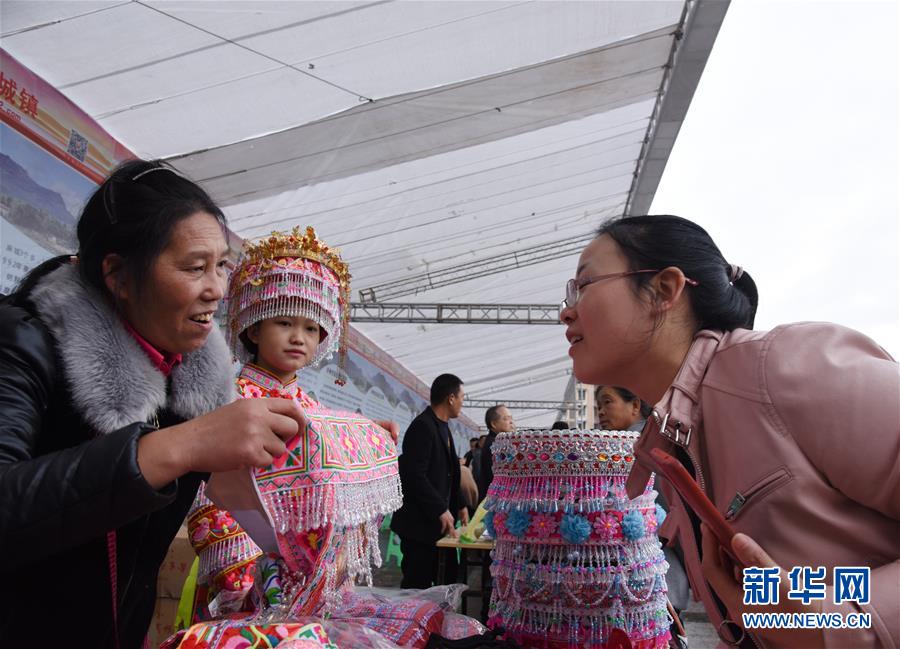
x,y
69,471
429,473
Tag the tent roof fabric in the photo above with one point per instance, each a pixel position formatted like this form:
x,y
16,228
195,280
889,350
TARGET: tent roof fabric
x,y
414,135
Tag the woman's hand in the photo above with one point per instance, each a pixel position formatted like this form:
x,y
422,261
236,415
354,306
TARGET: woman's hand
x,y
463,516
391,427
728,582
248,432
448,524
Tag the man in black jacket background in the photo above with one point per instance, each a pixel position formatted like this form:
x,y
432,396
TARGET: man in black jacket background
x,y
498,420
429,472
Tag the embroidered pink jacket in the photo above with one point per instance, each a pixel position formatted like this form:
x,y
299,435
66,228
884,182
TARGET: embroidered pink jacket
x,y
795,436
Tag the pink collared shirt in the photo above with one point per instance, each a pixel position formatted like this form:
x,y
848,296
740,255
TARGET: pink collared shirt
x,y
165,362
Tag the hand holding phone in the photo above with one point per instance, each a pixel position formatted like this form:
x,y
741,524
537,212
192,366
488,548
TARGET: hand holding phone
x,y
690,491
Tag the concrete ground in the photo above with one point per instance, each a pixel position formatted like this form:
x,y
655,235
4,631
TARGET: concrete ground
x,y
701,634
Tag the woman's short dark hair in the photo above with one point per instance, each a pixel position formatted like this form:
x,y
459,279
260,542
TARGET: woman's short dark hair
x,y
491,415
628,395
444,386
132,214
560,425
659,241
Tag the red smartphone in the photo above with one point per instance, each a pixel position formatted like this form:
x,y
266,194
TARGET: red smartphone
x,y
688,488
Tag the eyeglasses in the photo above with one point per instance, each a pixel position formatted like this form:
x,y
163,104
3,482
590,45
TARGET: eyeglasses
x,y
575,287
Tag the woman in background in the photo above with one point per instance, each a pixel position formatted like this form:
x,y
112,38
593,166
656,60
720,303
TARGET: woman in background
x,y
620,409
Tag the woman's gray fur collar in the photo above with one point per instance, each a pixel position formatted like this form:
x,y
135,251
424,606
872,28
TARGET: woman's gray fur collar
x,y
112,381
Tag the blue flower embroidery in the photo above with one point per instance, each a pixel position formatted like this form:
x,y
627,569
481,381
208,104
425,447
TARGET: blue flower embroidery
x,y
574,529
489,524
517,522
660,515
633,526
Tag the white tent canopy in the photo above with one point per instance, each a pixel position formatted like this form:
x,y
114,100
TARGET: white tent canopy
x,y
415,135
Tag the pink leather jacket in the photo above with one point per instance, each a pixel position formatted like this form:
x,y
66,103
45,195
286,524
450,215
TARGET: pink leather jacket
x,y
794,435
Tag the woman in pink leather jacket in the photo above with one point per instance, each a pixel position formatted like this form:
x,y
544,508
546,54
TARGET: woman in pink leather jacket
x,y
793,434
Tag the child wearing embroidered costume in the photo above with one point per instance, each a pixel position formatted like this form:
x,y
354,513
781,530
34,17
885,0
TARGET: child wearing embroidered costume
x,y
287,307
325,498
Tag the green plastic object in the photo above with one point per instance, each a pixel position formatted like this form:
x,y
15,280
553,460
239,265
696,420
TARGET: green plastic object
x,y
393,550
185,612
473,531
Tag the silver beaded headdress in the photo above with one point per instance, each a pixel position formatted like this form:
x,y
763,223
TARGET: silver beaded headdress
x,y
290,274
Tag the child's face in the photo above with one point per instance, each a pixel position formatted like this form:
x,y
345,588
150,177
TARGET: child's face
x,y
286,343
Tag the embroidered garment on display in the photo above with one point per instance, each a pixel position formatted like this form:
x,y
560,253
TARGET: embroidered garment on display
x,y
324,500
226,553
574,557
326,496
297,635
407,622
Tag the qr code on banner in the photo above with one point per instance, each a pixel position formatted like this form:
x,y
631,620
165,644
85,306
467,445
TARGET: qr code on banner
x,y
78,145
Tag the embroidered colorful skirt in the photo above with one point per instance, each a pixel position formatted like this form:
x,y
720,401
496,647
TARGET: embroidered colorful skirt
x,y
362,619
574,557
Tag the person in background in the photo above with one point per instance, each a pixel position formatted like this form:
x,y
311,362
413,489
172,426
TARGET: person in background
x,y
115,391
430,476
792,433
619,409
468,489
473,445
476,458
468,484
498,419
560,425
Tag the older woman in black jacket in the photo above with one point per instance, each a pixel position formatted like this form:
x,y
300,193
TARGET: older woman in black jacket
x,y
115,400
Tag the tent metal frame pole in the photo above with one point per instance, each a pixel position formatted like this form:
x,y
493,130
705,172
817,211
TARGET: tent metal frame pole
x,y
518,314
518,404
472,270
